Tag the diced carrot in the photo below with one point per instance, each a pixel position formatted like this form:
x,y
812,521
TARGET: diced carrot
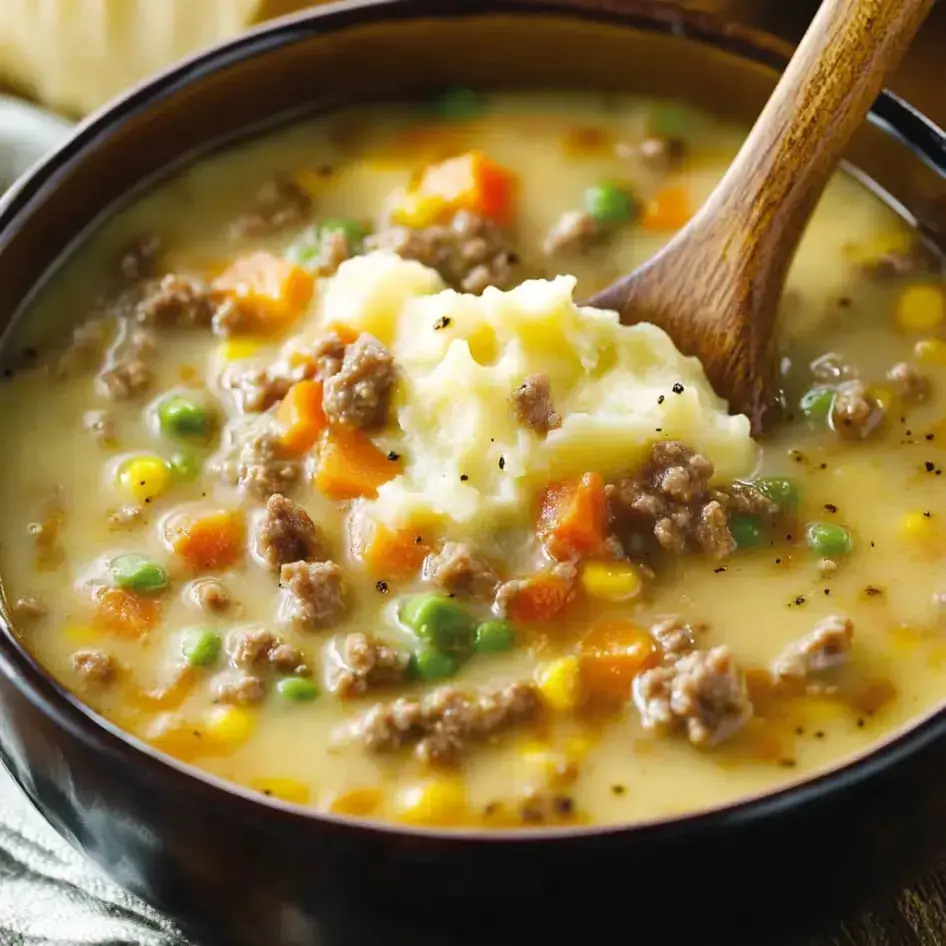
x,y
178,737
275,289
211,541
300,417
470,182
573,517
165,698
350,465
668,210
125,614
611,654
395,554
539,598
356,801
345,332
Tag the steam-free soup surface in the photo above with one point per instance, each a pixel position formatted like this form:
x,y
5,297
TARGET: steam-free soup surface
x,y
336,493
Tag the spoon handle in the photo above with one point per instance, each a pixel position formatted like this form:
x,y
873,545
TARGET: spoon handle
x,y
836,74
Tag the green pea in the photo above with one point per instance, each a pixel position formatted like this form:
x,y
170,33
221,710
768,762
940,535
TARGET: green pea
x,y
297,689
200,647
747,531
780,491
610,204
439,621
816,403
494,636
183,418
428,663
671,121
352,230
185,467
138,573
460,104
829,540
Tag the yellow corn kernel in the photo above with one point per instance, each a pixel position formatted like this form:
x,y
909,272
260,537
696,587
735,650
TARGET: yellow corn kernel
x,y
81,634
438,801
176,736
921,308
932,351
356,801
229,726
417,210
234,349
144,477
557,681
610,581
286,789
918,527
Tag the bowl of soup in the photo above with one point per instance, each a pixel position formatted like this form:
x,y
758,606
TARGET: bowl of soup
x,y
360,581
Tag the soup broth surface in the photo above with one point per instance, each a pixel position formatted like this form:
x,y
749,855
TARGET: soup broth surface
x,y
135,568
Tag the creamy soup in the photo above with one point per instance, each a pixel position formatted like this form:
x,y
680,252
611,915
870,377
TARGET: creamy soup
x,y
319,479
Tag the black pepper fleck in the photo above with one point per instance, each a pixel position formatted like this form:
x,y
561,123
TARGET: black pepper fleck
x,y
800,600
393,455
827,591
872,591
618,789
502,463
928,514
929,436
929,466
822,466
830,507
778,561
463,477
419,540
788,763
717,571
677,388
860,723
382,586
819,734
661,399
563,804
442,322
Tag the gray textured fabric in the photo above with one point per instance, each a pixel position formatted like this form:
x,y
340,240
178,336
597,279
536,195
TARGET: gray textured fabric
x,y
52,896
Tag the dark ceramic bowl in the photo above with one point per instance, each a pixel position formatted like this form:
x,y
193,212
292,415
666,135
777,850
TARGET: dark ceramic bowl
x,y
235,868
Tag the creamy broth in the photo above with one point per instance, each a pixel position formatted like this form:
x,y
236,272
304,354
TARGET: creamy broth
x,y
577,758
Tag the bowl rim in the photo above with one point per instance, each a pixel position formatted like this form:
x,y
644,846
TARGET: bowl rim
x,y
891,113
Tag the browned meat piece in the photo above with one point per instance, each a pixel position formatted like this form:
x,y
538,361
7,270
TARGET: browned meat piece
x,y
139,259
358,394
261,469
830,368
334,249
825,647
362,662
47,533
547,807
259,390
27,609
703,691
470,252
576,231
211,595
287,534
279,203
101,425
662,155
177,302
124,381
254,648
95,667
676,639
672,500
315,594
457,570
329,353
239,689
126,517
442,724
910,383
855,413
532,401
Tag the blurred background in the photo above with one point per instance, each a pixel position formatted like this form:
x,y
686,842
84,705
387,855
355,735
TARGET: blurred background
x,y
72,55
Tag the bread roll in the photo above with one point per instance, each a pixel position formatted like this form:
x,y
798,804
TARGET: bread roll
x,y
73,55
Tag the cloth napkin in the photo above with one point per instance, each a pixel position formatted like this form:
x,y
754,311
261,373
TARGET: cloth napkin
x,y
50,895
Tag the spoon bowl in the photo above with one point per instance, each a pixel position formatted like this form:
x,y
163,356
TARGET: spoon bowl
x,y
715,288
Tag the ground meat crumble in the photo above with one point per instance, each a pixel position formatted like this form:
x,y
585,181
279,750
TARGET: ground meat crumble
x,y
362,662
469,252
532,401
95,667
259,466
28,609
576,231
238,689
458,571
278,204
256,648
855,413
827,646
288,534
672,500
358,393
442,724
702,691
210,595
911,385
315,594
175,301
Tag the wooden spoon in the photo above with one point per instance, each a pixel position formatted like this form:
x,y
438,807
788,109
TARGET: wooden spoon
x,y
715,288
